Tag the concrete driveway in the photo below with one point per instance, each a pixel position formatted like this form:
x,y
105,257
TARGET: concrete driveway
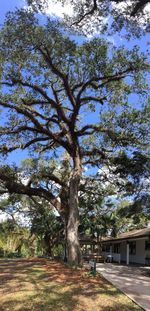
x,y
133,281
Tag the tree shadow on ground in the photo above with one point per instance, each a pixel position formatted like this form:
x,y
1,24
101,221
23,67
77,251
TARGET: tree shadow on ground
x,y
45,286
65,301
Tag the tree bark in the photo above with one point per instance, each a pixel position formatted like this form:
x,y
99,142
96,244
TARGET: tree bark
x,y
48,245
73,245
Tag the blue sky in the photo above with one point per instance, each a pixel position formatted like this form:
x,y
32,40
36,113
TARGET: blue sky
x,y
9,5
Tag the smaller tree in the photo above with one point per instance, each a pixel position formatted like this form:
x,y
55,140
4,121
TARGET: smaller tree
x,y
12,237
47,227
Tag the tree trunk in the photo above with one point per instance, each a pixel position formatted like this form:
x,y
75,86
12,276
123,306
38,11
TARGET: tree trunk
x,y
48,246
73,245
64,211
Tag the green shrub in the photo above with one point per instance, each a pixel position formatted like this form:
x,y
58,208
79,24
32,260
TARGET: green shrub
x,y
58,251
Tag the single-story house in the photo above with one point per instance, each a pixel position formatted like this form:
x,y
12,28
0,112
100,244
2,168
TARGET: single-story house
x,y
129,247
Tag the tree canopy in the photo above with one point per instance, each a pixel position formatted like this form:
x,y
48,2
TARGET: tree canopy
x,y
90,15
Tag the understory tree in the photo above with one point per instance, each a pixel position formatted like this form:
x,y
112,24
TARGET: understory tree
x,y
34,226
73,106
46,225
15,239
109,206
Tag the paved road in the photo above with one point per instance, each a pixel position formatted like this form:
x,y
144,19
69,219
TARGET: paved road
x,y
133,281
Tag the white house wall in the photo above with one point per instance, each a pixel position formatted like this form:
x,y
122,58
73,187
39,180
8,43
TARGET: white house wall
x,y
123,250
141,253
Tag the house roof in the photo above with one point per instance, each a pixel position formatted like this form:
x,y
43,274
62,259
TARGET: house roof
x,y
129,235
87,239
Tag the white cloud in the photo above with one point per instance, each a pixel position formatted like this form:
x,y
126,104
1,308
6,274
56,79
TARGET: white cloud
x,y
58,10
3,216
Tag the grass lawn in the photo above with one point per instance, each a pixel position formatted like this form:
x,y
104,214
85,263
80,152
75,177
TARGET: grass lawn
x,y
43,285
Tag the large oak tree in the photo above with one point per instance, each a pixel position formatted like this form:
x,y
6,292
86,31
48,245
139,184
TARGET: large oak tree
x,y
59,96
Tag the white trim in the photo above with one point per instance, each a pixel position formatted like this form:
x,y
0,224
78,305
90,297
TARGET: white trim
x,y
137,239
127,254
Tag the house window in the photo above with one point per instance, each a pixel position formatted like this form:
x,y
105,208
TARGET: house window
x,y
117,248
103,248
106,248
132,248
147,245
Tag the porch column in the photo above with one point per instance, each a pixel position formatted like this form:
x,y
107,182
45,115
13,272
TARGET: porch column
x,y
93,248
86,249
127,254
110,249
99,249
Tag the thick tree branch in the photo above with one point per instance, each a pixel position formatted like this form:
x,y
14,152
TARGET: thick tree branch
x,y
138,5
93,98
61,124
47,175
93,152
106,79
26,113
56,136
14,187
90,12
35,140
38,89
4,149
59,74
94,128
12,131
